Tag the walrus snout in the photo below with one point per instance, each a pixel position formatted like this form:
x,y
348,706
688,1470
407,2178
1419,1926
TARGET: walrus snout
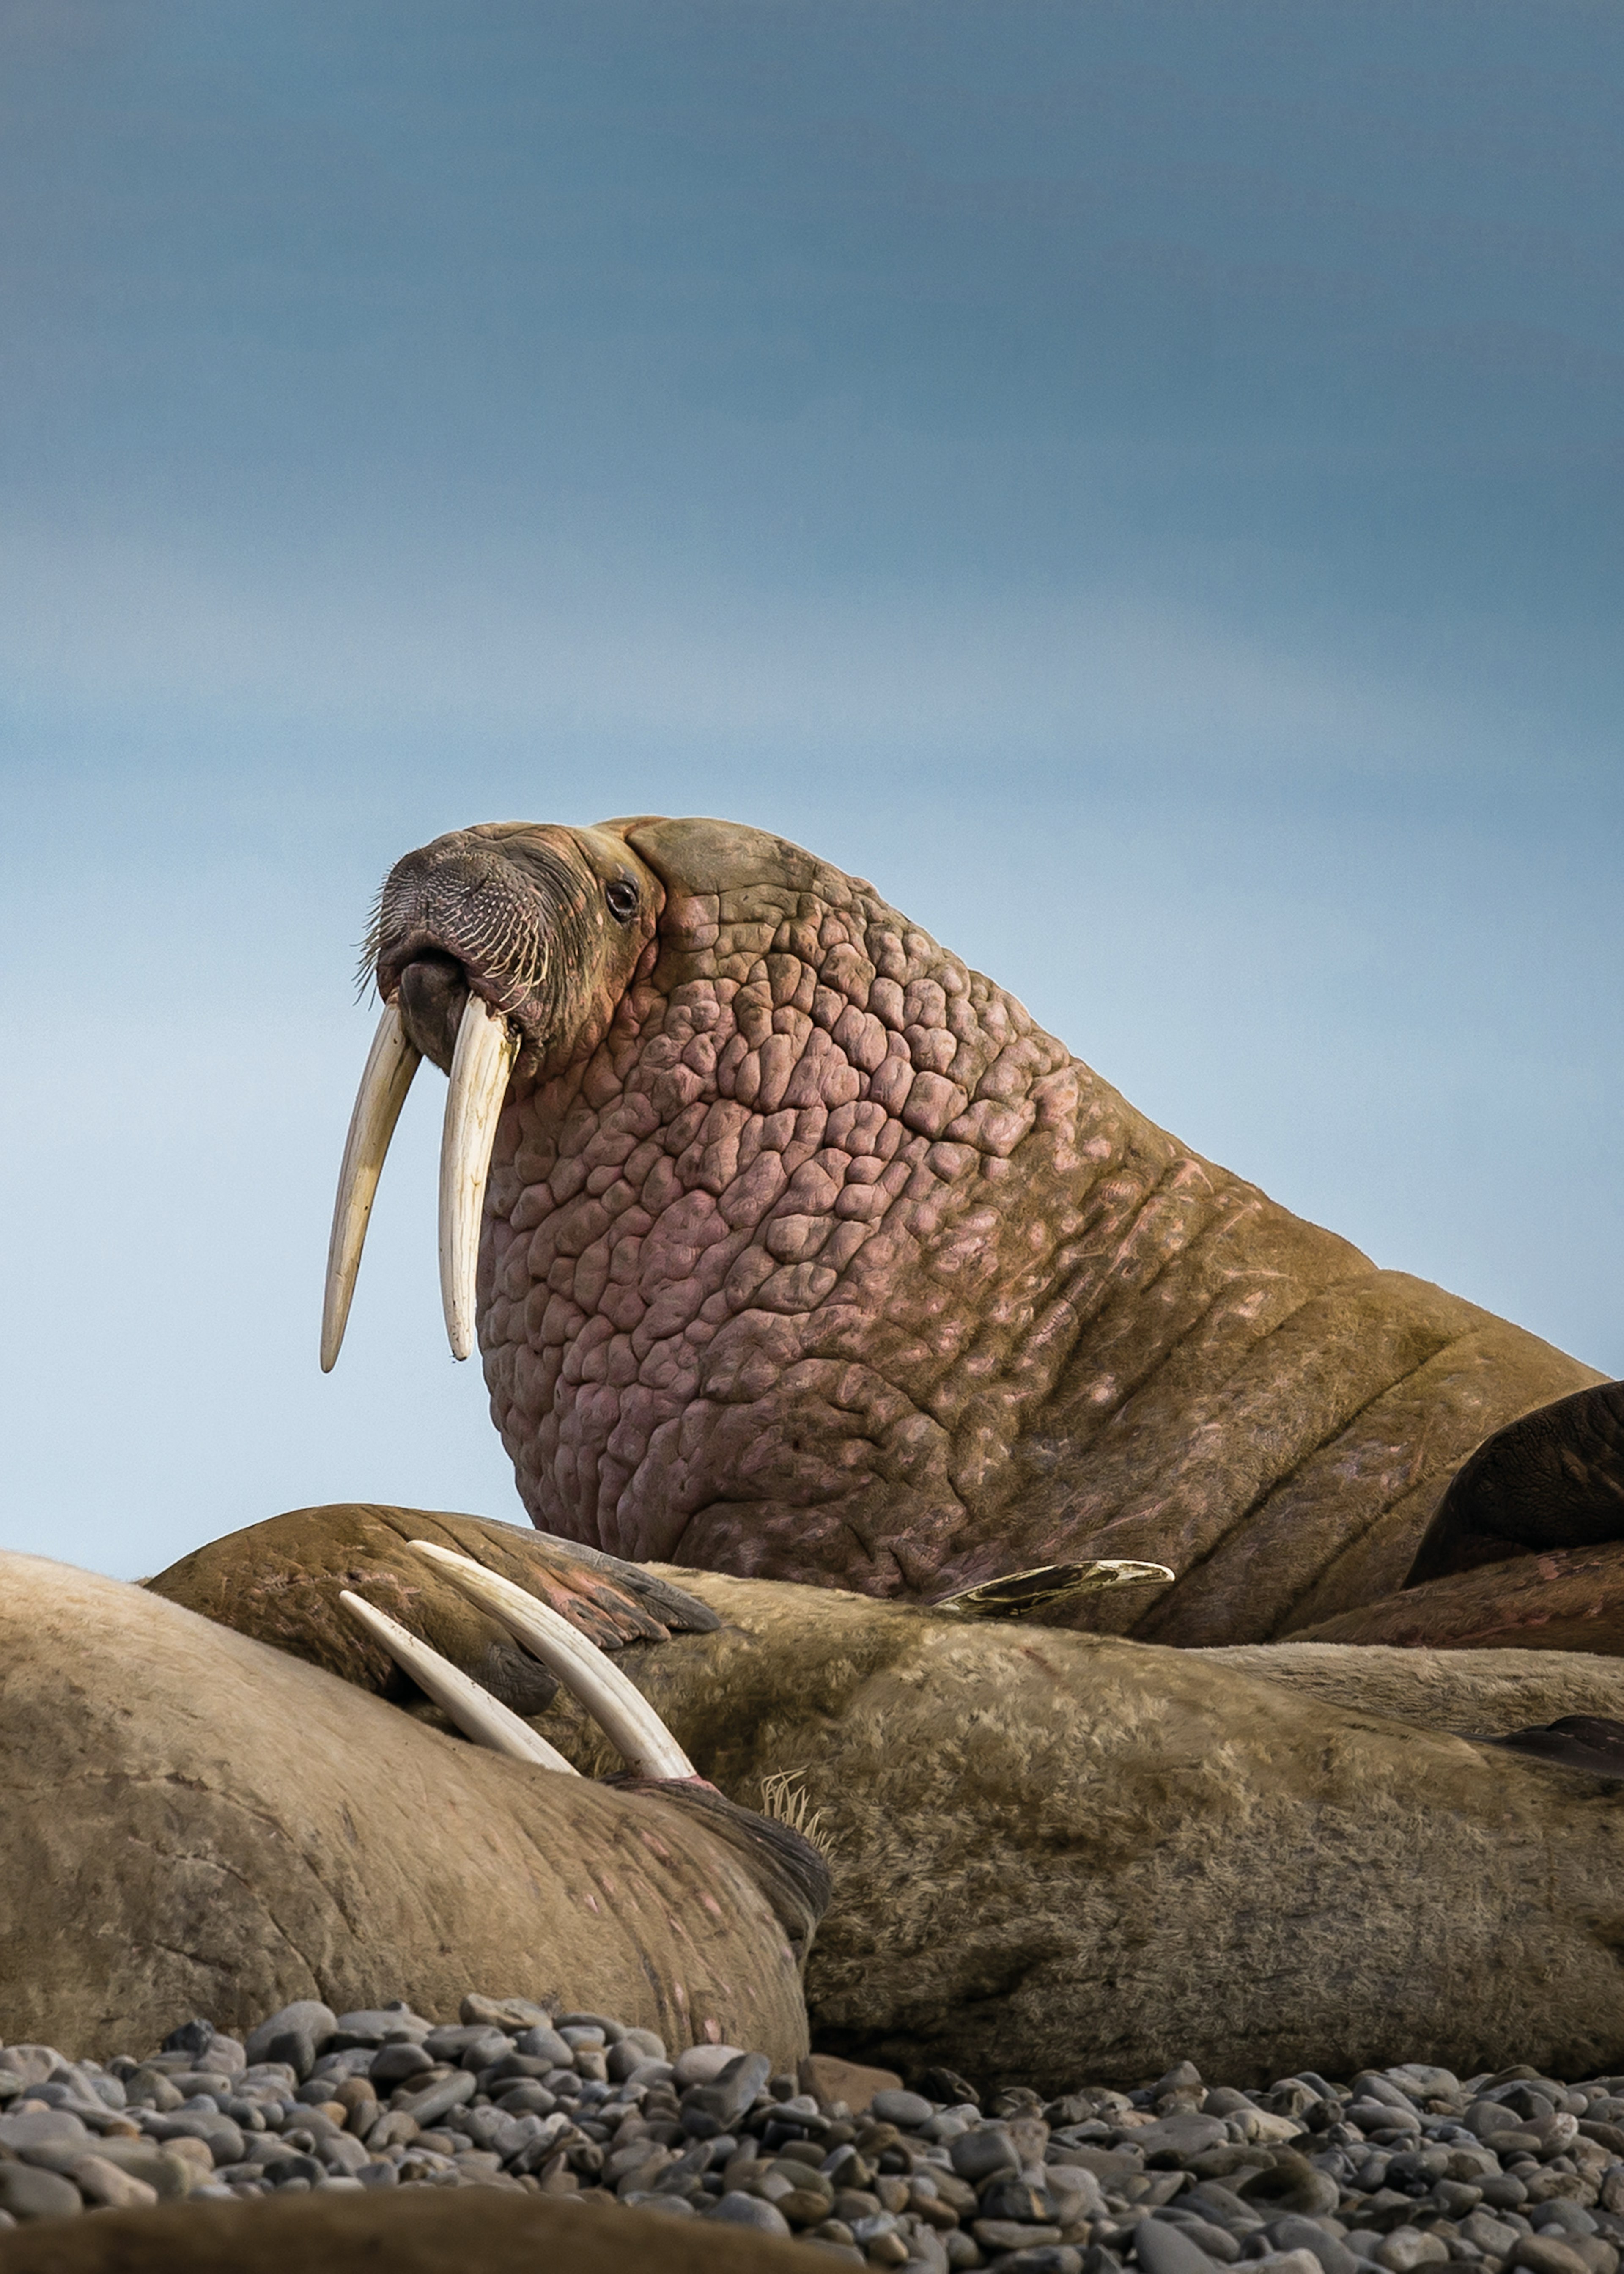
x,y
433,993
501,954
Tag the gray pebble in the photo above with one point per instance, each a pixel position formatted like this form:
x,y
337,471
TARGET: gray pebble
x,y
737,2209
735,2087
544,2043
1560,2213
377,2025
702,2064
28,2193
906,2109
1296,2232
296,2035
1161,2247
976,2155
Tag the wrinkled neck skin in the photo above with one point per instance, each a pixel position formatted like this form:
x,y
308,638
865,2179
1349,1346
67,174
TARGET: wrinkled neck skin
x,y
791,1277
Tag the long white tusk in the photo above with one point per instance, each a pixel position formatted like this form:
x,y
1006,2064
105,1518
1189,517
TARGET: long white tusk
x,y
476,1713
619,1709
390,1064
486,1050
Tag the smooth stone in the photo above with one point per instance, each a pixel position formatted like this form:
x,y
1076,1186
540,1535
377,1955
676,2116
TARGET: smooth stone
x,y
1161,2247
702,2064
194,2038
394,2065
1047,2258
1012,2198
222,2138
1403,2248
424,2108
296,2035
510,2014
1296,2232
1292,2184
32,2126
737,2209
101,2182
1213,2200
1181,2134
1492,2235
1217,2242
28,2193
638,2049
1001,2234
451,2043
544,2043
734,2087
1371,2085
1416,2077
613,2030
1545,2254
906,2109
377,2026
976,2155
1504,2191
1560,2212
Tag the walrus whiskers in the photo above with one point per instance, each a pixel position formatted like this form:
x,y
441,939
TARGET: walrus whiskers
x,y
621,1710
387,1077
476,1713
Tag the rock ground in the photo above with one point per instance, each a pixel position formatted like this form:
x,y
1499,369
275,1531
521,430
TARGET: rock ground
x,y
1386,2173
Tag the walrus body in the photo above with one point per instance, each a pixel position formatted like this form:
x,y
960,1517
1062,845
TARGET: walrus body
x,y
808,1255
1061,1857
1055,1856
194,1823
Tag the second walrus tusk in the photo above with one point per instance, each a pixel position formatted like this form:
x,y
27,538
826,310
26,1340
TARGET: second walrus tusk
x,y
1019,1592
476,1713
618,1707
485,1049
390,1064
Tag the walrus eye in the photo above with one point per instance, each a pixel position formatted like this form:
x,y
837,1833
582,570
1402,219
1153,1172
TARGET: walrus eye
x,y
622,895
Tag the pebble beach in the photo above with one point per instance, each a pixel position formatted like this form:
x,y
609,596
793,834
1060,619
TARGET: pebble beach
x,y
1396,2170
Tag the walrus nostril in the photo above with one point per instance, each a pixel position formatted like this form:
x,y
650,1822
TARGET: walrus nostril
x,y
432,991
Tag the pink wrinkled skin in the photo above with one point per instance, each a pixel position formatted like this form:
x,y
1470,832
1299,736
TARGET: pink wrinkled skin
x,y
820,1260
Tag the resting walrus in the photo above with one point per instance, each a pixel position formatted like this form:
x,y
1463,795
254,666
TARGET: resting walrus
x,y
192,1822
1058,1856
807,1254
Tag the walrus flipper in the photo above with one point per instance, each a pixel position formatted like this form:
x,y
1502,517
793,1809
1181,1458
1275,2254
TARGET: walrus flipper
x,y
1552,1479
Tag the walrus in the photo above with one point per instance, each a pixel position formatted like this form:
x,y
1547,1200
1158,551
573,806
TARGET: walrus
x,y
196,1822
797,1250
1058,1856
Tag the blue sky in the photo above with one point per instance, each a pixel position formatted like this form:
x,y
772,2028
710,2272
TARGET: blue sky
x,y
1142,483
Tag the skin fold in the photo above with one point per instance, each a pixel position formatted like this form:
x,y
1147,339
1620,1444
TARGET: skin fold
x,y
808,1255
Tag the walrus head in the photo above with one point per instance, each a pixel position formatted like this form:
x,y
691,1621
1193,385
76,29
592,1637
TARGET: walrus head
x,y
501,953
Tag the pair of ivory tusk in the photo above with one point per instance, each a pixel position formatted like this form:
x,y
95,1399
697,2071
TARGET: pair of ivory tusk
x,y
476,1713
618,1707
621,1710
480,1065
